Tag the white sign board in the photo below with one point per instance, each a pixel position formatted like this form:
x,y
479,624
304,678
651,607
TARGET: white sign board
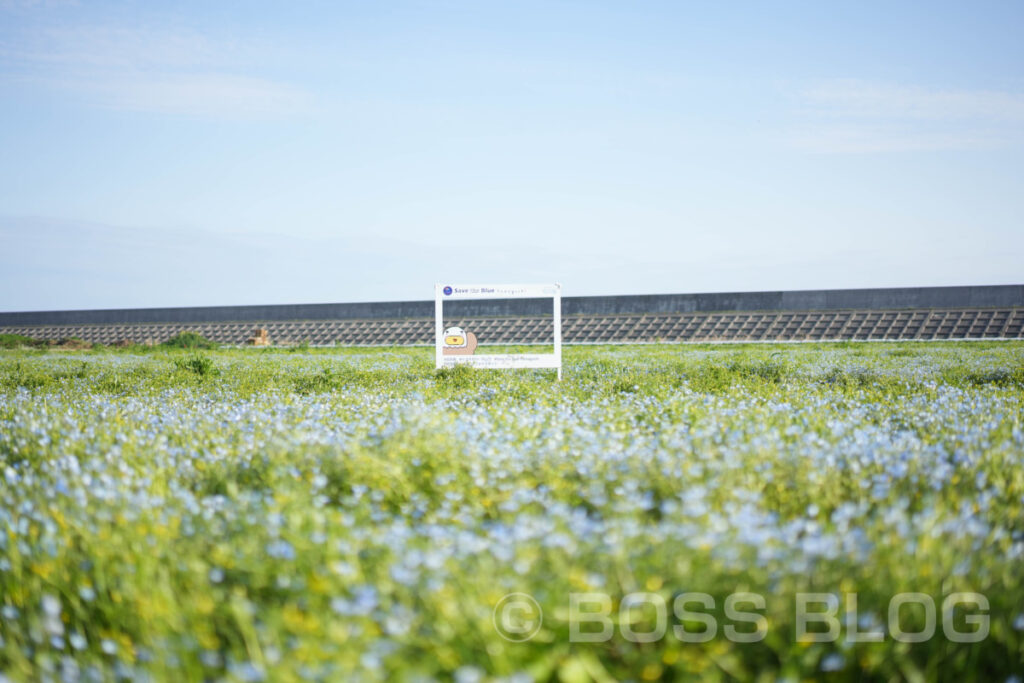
x,y
454,346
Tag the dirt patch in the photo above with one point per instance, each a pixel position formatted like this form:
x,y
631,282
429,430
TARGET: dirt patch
x,y
71,343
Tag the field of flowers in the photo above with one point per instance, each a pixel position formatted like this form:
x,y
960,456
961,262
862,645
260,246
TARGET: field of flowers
x,y
352,515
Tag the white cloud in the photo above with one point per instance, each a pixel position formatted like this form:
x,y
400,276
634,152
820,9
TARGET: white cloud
x,y
850,116
219,95
862,99
118,47
162,70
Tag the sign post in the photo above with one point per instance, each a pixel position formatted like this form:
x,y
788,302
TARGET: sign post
x,y
455,346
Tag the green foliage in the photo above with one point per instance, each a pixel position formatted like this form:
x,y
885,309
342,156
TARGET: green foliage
x,y
15,341
770,370
20,373
324,380
850,378
301,347
1001,377
189,340
456,377
26,376
197,364
352,514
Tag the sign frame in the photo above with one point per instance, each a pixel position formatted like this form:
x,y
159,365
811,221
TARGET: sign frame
x,y
460,292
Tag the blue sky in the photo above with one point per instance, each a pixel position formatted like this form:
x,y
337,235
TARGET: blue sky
x,y
162,154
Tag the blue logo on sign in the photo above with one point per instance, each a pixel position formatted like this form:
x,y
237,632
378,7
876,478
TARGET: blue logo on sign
x,y
447,291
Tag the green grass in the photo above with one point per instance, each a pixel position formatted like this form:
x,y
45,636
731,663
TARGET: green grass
x,y
18,341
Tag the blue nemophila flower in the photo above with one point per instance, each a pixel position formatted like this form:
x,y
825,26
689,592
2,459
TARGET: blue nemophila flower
x,y
248,672
363,601
281,549
409,506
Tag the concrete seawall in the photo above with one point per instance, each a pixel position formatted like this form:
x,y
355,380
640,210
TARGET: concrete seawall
x,y
904,298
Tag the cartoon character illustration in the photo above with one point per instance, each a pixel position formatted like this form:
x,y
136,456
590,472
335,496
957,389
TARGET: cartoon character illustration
x,y
458,342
